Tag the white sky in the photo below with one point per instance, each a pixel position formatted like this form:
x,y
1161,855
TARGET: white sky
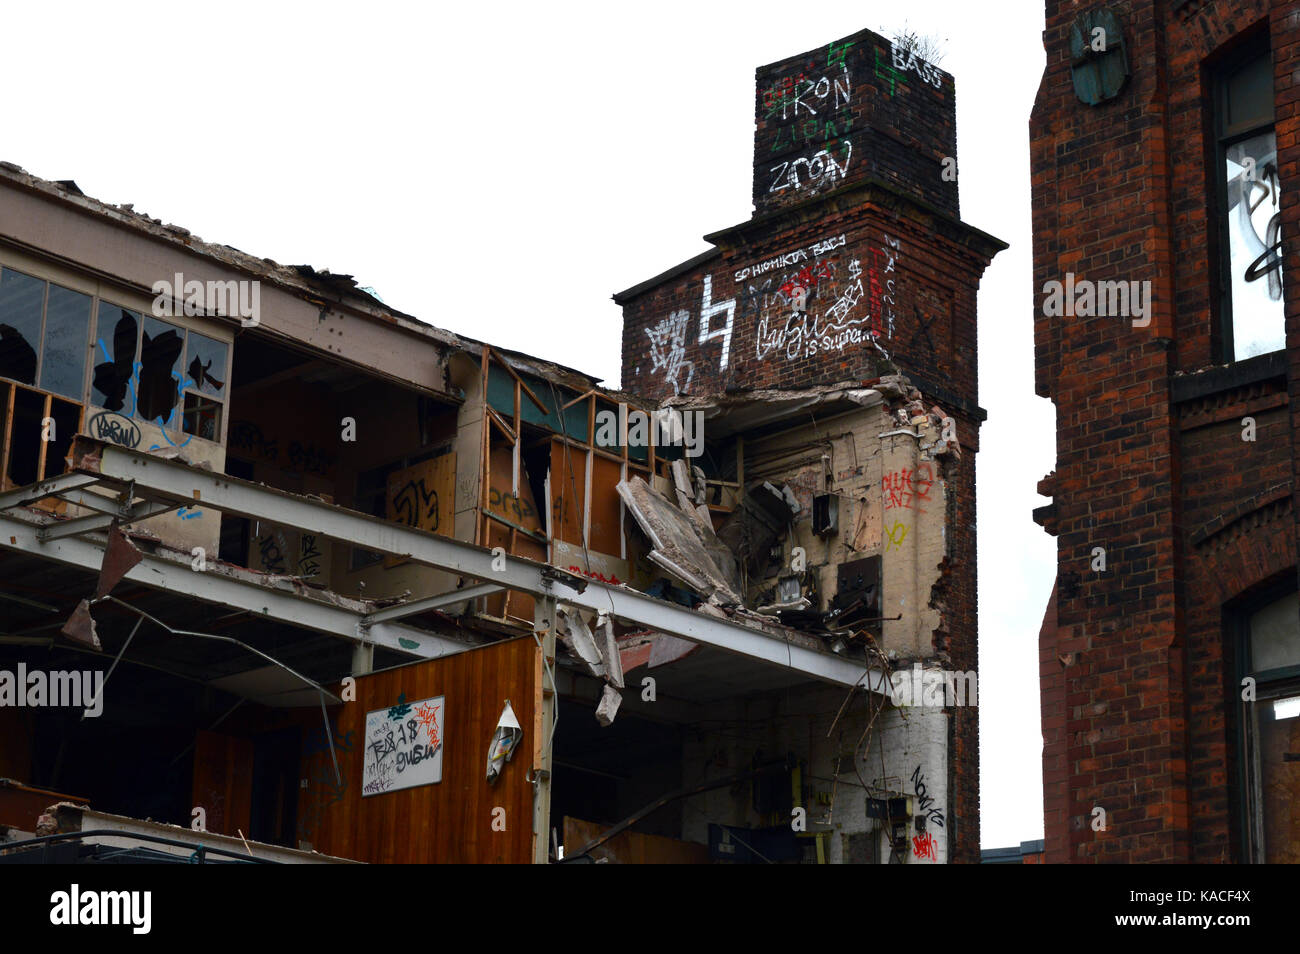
x,y
500,169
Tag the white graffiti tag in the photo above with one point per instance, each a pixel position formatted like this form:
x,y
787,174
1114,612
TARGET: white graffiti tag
x,y
668,349
820,169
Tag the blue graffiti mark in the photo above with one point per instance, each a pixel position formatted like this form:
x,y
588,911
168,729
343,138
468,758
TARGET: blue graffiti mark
x,y
399,712
193,512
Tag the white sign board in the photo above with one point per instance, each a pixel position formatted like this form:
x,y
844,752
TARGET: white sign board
x,y
403,746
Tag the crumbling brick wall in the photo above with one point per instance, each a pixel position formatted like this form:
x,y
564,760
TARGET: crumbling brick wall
x,y
854,267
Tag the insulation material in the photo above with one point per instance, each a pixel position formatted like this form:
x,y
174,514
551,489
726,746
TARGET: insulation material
x,y
688,551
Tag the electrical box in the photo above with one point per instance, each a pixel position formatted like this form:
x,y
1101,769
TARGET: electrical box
x,y
826,515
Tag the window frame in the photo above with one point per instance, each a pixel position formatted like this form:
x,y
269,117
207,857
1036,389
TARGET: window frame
x,y
1224,138
1269,684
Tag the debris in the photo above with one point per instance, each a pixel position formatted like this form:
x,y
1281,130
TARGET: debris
x,y
119,557
610,700
504,742
613,664
683,547
80,627
578,640
761,519
669,649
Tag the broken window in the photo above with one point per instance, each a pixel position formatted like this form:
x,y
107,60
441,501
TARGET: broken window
x,y
205,384
21,301
1270,731
35,431
1251,204
161,346
111,382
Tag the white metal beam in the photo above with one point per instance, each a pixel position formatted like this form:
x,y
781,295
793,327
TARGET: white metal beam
x,y
89,524
217,584
55,485
431,603
174,480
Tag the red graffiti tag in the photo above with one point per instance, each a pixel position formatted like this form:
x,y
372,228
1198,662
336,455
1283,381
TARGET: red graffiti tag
x,y
428,716
612,579
908,488
923,846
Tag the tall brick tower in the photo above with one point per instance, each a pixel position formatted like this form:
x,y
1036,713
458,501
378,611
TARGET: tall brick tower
x,y
1165,163
854,266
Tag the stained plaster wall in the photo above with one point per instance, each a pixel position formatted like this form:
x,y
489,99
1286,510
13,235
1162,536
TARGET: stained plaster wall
x,y
892,498
908,748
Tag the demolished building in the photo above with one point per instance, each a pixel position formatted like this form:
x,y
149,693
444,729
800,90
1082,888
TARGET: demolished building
x,y
358,588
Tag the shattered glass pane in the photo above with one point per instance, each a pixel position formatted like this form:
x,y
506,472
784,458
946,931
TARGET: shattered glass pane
x,y
207,365
21,298
115,345
160,380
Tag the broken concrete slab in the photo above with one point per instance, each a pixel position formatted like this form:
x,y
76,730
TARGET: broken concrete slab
x,y
579,641
607,708
610,654
685,549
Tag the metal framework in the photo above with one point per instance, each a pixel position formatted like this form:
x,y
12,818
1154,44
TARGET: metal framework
x,y
163,481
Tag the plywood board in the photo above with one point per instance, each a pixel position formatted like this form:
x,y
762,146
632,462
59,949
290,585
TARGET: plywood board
x,y
423,496
457,820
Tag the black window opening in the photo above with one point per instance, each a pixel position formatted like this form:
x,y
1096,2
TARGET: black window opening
x,y
1269,728
1250,203
36,430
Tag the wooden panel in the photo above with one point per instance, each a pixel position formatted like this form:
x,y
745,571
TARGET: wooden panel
x,y
633,847
451,821
520,510
568,491
223,781
423,496
606,534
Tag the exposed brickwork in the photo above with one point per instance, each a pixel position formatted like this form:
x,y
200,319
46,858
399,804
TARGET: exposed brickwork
x,y
857,108
1136,663
848,277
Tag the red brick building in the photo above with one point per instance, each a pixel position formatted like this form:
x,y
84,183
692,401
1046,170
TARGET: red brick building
x,y
855,266
1167,334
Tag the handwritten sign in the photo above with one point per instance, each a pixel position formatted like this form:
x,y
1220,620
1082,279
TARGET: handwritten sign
x,y
403,746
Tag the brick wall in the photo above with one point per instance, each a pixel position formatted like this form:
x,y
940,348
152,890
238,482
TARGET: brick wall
x,y
861,107
1135,666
